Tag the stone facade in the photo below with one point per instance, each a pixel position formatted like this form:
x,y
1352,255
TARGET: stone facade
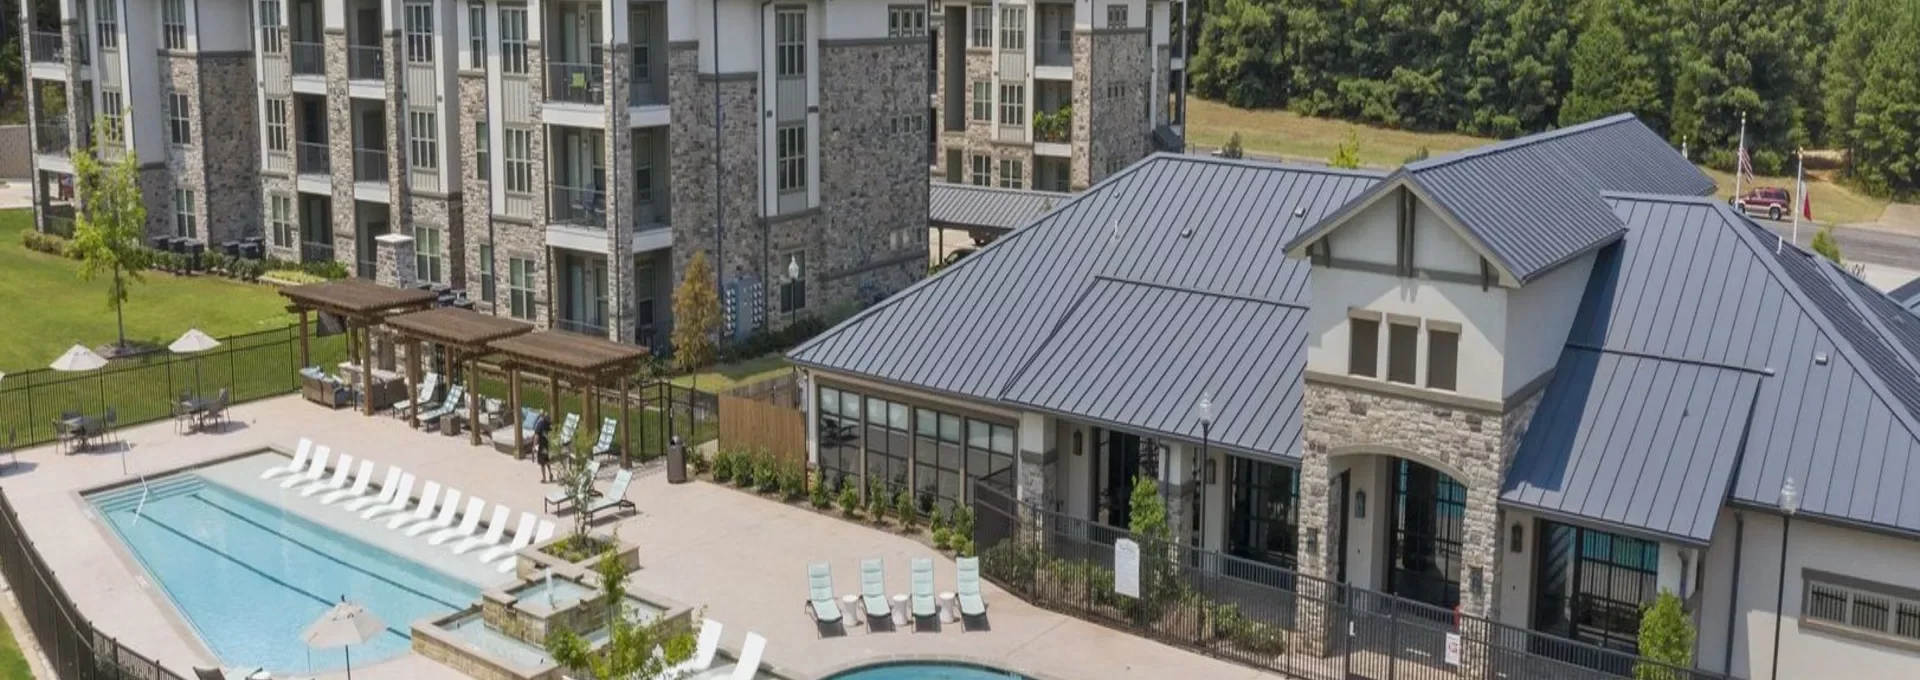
x,y
231,161
693,139
1120,78
1162,85
274,185
394,260
438,212
619,162
340,148
180,75
1080,167
476,205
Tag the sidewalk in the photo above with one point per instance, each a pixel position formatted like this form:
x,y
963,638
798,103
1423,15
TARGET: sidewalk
x,y
18,193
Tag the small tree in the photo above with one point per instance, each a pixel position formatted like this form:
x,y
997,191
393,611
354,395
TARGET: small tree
x,y
904,509
1233,149
630,649
696,318
111,222
1826,246
1148,522
877,501
1347,155
578,484
849,498
1666,636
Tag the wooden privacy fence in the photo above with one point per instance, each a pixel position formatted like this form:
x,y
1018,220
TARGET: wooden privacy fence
x,y
749,425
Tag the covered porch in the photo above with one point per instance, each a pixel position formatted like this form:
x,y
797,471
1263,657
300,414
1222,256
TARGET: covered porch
x,y
360,306
459,338
591,365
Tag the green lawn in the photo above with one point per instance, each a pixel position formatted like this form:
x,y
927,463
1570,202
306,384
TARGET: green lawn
x,y
53,308
728,376
13,664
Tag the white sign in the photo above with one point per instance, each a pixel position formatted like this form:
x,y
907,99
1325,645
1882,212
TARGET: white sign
x,y
1453,649
1126,567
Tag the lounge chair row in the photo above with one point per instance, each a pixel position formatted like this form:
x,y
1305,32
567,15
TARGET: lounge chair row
x,y
614,498
432,407
873,592
436,516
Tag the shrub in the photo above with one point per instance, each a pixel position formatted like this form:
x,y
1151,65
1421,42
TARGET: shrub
x,y
937,519
817,494
701,463
877,498
963,524
766,472
849,499
723,466
904,508
940,538
44,243
793,481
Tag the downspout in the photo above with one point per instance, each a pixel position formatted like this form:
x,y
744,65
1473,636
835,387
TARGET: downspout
x,y
719,209
1733,588
1186,66
766,223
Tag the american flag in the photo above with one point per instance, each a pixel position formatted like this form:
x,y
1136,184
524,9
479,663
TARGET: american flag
x,y
1746,162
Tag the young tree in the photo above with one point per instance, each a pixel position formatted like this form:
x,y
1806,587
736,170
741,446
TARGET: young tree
x,y
628,653
1347,155
578,484
1608,76
1666,636
696,317
1824,244
1233,149
111,222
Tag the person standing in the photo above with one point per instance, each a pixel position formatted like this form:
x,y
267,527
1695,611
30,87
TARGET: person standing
x,y
541,453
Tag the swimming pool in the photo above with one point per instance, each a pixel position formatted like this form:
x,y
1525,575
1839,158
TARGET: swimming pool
x,y
250,576
927,670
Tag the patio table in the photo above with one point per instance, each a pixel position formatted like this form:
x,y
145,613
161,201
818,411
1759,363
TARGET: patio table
x,y
850,608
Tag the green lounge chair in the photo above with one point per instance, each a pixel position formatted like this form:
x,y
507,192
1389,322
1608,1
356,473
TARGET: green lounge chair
x,y
972,605
873,592
429,386
568,426
605,444
456,396
616,496
559,498
924,609
820,603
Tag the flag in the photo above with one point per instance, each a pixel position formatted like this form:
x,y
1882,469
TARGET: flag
x,y
1805,198
1746,163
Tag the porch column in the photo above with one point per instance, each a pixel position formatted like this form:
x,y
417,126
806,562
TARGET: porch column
x,y
626,427
305,357
413,381
1319,629
366,368
513,399
473,398
1177,489
1036,454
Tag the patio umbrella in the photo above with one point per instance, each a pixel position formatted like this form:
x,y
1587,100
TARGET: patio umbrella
x,y
345,625
190,342
78,358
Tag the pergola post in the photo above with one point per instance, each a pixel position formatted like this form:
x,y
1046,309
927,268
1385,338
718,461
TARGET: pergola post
x,y
513,396
553,393
305,359
626,427
413,381
366,368
473,398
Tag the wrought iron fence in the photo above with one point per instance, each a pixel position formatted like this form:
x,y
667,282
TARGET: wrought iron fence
x,y
575,83
314,158
364,62
309,59
1054,52
47,46
578,206
369,165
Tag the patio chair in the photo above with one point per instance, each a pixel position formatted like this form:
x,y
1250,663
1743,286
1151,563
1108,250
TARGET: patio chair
x,y
396,501
972,605
361,479
216,411
522,537
64,436
568,427
703,651
539,536
387,490
456,397
422,511
335,483
110,425
449,506
314,470
873,591
496,528
615,498
560,498
925,609
429,386
750,654
605,445
469,523
820,603
204,673
529,417
300,454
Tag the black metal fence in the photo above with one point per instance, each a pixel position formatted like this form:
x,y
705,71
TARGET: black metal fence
x,y
75,650
1266,616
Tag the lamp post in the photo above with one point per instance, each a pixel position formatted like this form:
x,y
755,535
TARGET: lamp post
x,y
1206,435
793,277
1789,504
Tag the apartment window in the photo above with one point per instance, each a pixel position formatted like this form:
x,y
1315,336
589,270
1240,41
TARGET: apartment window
x,y
280,216
183,222
1363,346
1116,16
271,40
938,467
982,101
277,124
793,291
889,446
173,24
423,150
1012,174
519,160
839,438
906,21
482,152
486,273
639,29
980,20
107,18
513,40
419,22
179,127
520,287
642,170
790,42
1403,348
477,36
982,171
426,253
1443,355
989,450
1013,28
1854,605
792,168
113,108
1013,104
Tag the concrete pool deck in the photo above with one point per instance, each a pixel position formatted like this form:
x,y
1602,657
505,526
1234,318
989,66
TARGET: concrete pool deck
x,y
742,557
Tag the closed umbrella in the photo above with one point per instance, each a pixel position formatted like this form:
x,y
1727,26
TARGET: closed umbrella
x,y
190,342
345,625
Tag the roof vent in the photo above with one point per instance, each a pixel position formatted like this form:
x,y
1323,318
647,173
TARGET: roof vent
x,y
1186,232
1300,212
1114,238
1819,358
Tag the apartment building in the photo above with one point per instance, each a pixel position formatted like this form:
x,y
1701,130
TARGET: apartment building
x,y
94,61
1053,95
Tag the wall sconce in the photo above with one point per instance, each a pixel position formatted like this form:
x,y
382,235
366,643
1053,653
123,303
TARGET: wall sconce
x,y
1360,504
1478,581
1516,540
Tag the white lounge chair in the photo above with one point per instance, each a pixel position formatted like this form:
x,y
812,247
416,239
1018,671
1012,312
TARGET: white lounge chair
x,y
422,511
545,532
396,501
750,654
496,528
299,460
317,467
560,497
703,652
387,489
361,479
469,523
615,498
337,482
449,509
522,537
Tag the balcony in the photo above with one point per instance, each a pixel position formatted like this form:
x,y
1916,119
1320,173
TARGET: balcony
x,y
314,158
1053,128
579,207
1053,52
370,165
47,47
364,62
310,59
51,139
575,83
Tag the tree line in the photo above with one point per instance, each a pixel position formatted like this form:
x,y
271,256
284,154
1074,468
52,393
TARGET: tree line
x,y
1806,73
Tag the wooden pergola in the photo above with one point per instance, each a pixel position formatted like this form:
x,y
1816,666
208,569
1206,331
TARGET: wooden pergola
x,y
465,336
589,362
363,304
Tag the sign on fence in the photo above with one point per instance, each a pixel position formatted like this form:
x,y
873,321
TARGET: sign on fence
x,y
1453,649
1126,567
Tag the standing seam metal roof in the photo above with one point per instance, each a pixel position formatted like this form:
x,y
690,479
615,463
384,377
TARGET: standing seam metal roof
x,y
961,205
1908,295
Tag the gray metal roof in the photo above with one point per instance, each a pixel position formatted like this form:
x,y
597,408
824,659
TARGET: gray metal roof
x,y
1641,443
1188,223
965,205
1908,295
1141,356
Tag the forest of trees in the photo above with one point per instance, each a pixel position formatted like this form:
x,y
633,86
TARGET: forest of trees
x,y
1840,74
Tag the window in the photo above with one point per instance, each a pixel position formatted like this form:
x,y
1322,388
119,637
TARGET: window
x,y
889,446
277,124
790,42
1595,584
272,41
183,222
107,18
793,291
112,109
1443,355
1013,28
643,173
482,152
909,21
520,287
989,451
1013,104
477,36
980,20
1859,606
179,128
426,253
1012,174
419,26
1403,347
640,29
280,216
939,469
839,443
792,168
1116,16
1363,346
173,24
982,101
423,151
982,171
513,40
486,273
519,160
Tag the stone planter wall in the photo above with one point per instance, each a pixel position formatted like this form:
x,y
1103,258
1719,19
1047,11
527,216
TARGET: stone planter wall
x,y
434,642
533,560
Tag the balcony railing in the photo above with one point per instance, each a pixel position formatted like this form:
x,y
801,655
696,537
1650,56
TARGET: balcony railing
x,y
576,83
647,93
369,165
53,139
60,225
578,206
48,47
1053,52
364,63
314,158
311,251
309,59
581,327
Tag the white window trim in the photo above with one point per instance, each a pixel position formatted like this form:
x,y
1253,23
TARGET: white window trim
x,y
423,137
513,40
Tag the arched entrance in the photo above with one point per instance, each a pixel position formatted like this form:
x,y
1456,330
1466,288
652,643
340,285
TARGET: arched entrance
x,y
1427,525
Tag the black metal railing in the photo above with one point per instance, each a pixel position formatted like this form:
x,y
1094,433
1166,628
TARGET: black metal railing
x,y
581,327
313,158
59,225
580,207
575,83
313,251
309,59
364,62
48,47
1053,52
369,165
52,138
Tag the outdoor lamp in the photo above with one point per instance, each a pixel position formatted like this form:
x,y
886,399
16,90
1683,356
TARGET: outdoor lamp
x,y
1360,504
793,268
1789,498
1206,410
1789,504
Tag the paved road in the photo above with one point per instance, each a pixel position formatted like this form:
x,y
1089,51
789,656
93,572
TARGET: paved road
x,y
1863,245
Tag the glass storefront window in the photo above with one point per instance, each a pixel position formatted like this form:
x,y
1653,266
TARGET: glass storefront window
x,y
888,448
839,436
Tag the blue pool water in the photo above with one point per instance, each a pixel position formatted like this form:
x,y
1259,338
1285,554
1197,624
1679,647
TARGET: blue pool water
x,y
927,670
251,577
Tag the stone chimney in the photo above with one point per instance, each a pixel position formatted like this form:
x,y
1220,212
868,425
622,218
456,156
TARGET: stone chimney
x,y
394,264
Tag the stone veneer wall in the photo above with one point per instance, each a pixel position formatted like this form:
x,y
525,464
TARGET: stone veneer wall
x,y
156,191
1117,127
274,184
434,210
618,156
186,166
231,159
340,149
1162,84
691,193
476,205
1080,166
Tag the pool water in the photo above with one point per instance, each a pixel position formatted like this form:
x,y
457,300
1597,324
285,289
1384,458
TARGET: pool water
x,y
250,577
927,670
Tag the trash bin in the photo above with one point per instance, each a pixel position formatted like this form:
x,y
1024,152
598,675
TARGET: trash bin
x,y
676,461
161,243
194,249
251,249
230,248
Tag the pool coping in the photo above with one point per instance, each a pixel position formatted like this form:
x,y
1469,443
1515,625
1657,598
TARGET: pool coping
x,y
966,659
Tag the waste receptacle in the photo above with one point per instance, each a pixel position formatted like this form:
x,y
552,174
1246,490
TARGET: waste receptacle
x,y
230,248
676,461
194,250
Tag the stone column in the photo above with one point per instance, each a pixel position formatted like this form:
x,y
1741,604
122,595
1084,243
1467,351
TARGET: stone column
x,y
1080,172
399,208
619,158
1036,455
340,150
396,265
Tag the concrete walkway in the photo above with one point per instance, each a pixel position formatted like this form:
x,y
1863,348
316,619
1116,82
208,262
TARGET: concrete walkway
x,y
17,193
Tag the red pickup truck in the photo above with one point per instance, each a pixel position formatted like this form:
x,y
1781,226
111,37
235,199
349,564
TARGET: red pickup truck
x,y
1774,202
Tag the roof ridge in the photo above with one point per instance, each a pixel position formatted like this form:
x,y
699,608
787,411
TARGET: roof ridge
x,y
1263,164
1506,145
1026,363
1197,291
1659,198
1829,270
1038,193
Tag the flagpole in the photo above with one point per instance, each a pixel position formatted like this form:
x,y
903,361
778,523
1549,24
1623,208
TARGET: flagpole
x,y
1799,187
1742,153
